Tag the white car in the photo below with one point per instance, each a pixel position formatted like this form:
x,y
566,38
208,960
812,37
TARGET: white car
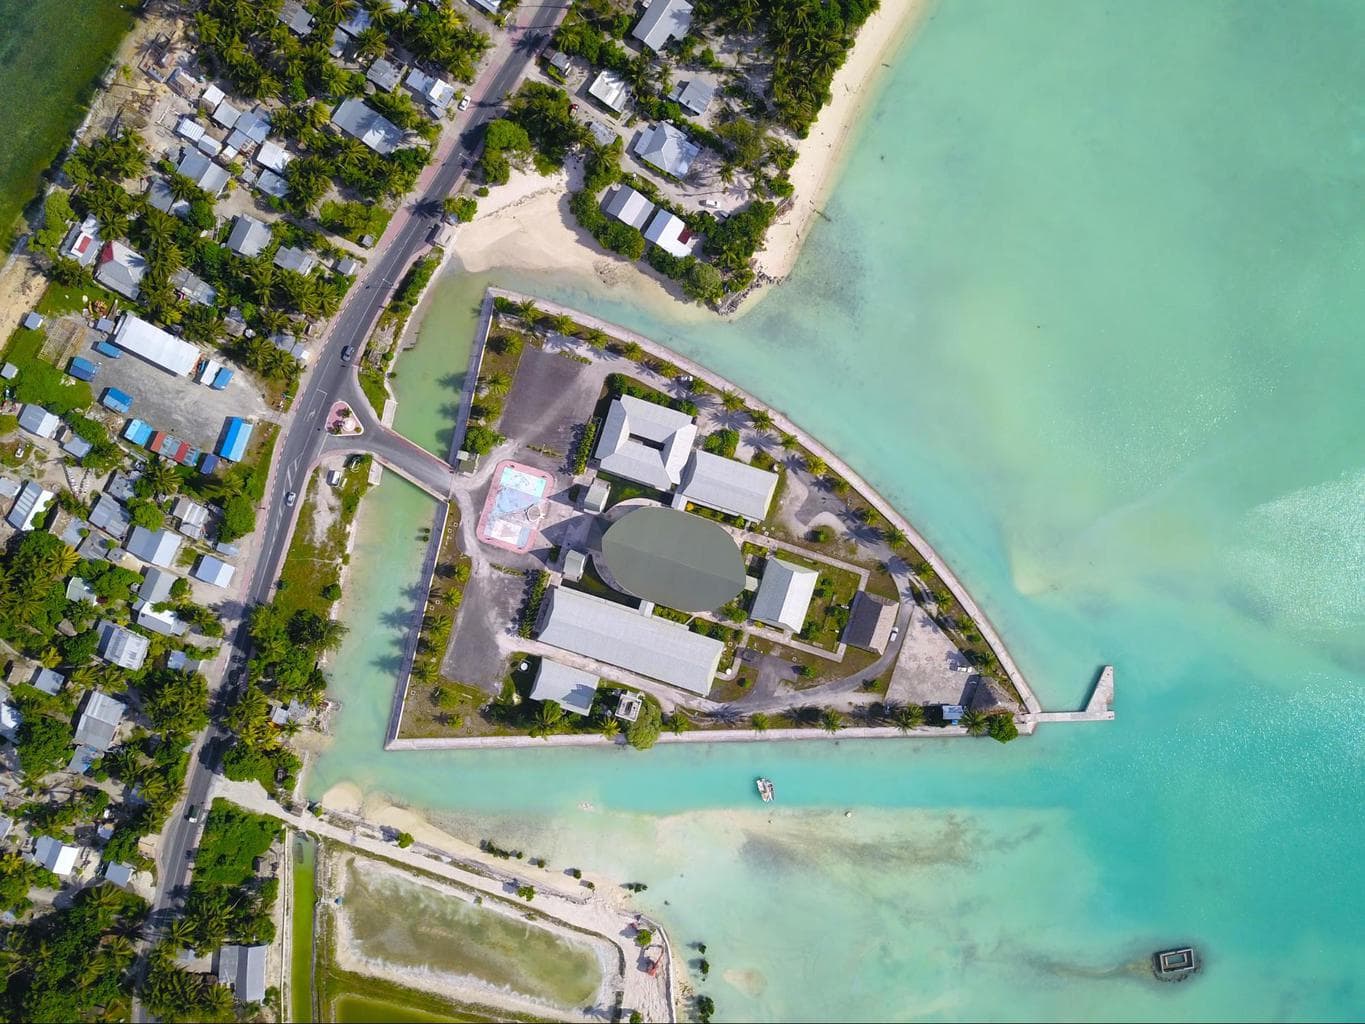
x,y
895,632
464,103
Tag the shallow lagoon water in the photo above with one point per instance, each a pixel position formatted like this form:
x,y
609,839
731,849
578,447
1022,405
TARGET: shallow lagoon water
x,y
1087,310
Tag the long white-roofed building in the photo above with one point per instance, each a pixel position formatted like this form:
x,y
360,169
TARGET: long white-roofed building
x,y
784,594
628,206
645,442
662,21
357,119
726,485
644,644
151,343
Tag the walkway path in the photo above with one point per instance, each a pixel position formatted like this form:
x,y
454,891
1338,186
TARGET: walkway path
x,y
581,909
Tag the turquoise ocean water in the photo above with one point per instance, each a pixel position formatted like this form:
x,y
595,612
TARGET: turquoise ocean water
x,y
1088,309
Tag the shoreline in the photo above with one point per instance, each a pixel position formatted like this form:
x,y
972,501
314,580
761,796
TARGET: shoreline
x,y
525,226
822,153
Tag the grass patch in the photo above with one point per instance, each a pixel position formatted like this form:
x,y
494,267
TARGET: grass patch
x,y
54,56
311,564
61,299
371,380
301,945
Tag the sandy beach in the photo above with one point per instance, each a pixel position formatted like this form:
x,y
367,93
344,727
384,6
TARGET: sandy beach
x,y
821,153
526,225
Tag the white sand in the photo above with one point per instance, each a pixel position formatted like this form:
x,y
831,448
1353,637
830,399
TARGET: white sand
x,y
526,225
821,153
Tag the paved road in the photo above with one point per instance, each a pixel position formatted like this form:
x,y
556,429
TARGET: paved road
x,y
329,380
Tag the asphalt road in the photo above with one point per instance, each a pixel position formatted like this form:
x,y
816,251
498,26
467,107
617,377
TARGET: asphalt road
x,y
330,380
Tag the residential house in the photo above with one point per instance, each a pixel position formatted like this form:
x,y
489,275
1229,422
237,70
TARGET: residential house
x,y
437,92
365,123
47,681
628,206
202,171
296,18
38,421
663,20
870,621
32,502
156,585
694,95
249,236
242,969
666,148
213,570
120,269
301,261
156,548
384,74
99,721
670,234
610,90
55,855
82,242
160,197
110,516
193,288
273,156
121,646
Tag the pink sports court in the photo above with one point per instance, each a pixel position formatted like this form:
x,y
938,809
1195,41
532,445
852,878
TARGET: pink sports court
x,y
515,506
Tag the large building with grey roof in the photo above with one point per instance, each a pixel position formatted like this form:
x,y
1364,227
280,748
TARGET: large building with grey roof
x,y
99,721
663,20
784,594
365,123
645,442
667,149
644,644
727,485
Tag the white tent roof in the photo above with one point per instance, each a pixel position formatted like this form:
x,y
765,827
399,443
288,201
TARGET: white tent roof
x,y
155,345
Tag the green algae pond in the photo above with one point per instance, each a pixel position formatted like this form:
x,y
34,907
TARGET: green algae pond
x,y
301,925
410,925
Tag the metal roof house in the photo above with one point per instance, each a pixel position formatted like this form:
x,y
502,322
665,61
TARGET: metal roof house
x,y
784,594
225,115
99,721
156,585
110,516
694,96
119,874
82,242
437,92
300,261
120,269
249,236
295,18
160,197
77,446
213,570
384,74
190,513
121,646
55,855
870,619
47,681
727,485
369,126
193,288
273,156
662,21
38,421
8,488
164,622
10,720
242,969
235,439
202,171
159,348
597,495
670,234
159,548
610,90
628,206
666,148
645,442
32,502
644,644
356,22
571,688
272,184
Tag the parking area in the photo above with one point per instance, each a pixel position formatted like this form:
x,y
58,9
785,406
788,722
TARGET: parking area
x,y
551,397
192,412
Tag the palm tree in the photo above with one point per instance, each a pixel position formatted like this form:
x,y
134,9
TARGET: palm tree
x,y
815,466
120,950
597,339
974,722
789,442
497,384
611,727
909,717
161,477
731,401
62,561
217,1002
370,43
528,311
762,419
561,323
759,721
896,537
831,720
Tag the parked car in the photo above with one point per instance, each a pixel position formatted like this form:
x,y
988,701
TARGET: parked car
x,y
464,103
895,632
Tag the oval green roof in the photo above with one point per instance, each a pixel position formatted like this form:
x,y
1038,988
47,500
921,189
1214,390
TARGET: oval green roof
x,y
674,559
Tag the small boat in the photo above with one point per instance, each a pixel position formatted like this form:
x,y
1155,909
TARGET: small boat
x,y
765,790
1175,964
